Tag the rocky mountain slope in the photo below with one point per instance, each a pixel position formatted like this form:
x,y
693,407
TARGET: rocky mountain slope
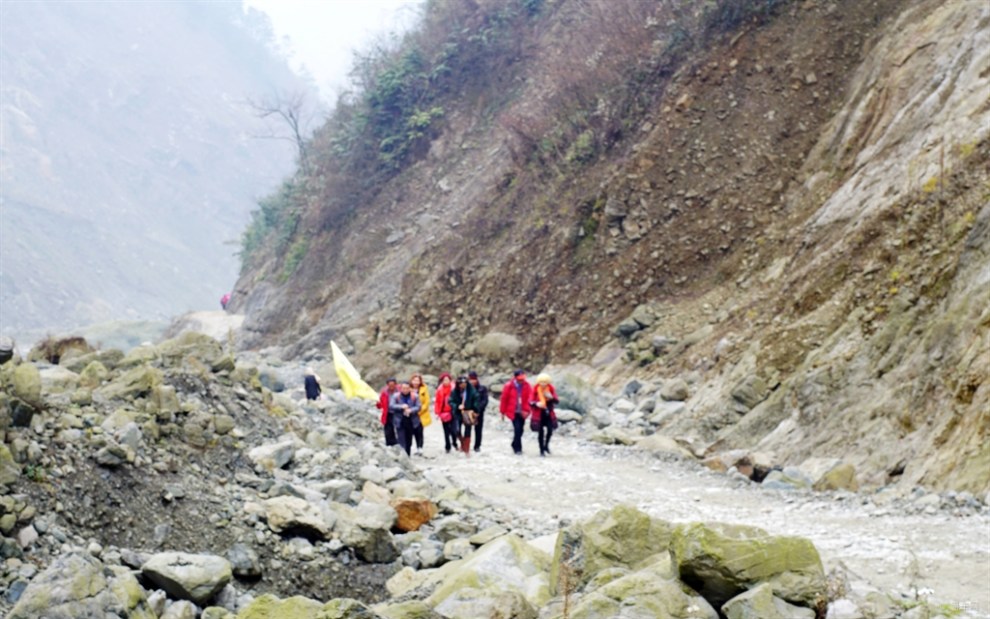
x,y
784,207
182,481
129,163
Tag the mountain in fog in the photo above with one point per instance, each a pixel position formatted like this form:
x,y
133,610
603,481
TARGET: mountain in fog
x,y
129,158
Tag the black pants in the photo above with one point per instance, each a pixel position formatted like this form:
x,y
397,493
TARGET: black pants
x,y
404,433
450,435
518,425
390,438
546,425
418,435
478,427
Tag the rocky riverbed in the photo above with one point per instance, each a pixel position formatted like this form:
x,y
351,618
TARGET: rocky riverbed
x,y
179,481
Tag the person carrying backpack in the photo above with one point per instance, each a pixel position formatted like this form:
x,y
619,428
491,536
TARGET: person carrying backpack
x,y
544,419
482,404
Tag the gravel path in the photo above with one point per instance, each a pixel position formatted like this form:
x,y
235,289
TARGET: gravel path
x,y
878,544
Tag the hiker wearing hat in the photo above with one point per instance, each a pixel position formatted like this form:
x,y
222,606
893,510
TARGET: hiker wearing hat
x,y
544,419
312,384
419,388
403,406
383,402
463,401
482,404
441,406
515,404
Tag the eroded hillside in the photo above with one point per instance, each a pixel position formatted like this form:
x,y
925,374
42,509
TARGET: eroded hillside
x,y
784,206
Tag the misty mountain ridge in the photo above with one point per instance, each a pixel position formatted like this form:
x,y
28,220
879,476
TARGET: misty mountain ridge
x,y
130,156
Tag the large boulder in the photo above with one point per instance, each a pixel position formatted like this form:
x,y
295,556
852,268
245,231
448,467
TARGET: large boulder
x,y
9,469
191,347
760,603
292,515
496,346
653,591
270,607
132,384
374,545
723,560
273,455
27,383
620,537
93,375
411,514
469,588
196,578
57,379
675,390
78,585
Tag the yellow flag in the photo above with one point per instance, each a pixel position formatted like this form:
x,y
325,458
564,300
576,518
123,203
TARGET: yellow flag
x,y
350,378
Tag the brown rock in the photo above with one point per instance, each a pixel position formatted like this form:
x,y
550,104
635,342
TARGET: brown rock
x,y
413,513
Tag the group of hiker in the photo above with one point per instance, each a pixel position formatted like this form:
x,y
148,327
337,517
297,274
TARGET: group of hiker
x,y
460,404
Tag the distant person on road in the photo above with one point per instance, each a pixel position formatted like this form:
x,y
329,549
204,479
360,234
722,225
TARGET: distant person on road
x,y
312,384
441,406
515,404
464,403
224,300
544,419
404,409
383,405
481,392
419,388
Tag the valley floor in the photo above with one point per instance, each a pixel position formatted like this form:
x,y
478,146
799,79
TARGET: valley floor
x,y
875,539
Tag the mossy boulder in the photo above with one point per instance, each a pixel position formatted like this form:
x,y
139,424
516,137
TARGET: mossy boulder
x,y
26,383
9,469
93,375
761,603
270,607
78,585
840,477
722,560
141,355
468,588
133,383
412,609
650,592
189,346
620,537
57,379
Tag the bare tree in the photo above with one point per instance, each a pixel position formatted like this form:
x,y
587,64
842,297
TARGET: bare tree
x,y
293,112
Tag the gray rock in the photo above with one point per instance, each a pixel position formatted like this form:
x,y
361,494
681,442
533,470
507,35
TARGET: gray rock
x,y
289,514
371,515
760,603
844,608
749,392
497,346
337,490
627,327
431,554
273,456
130,436
244,562
623,406
457,549
674,390
180,610
78,585
196,578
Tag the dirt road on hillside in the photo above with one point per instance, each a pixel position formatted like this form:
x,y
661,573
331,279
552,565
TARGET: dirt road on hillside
x,y
879,545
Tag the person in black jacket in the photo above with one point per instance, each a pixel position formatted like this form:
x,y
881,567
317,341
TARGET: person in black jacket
x,y
481,400
464,403
312,384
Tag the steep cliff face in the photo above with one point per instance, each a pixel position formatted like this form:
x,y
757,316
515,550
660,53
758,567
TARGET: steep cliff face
x,y
791,203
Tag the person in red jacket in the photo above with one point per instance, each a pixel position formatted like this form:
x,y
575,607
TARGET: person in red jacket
x,y
544,419
441,406
383,400
517,394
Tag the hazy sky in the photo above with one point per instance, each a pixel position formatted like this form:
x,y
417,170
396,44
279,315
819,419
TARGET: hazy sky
x,y
325,33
